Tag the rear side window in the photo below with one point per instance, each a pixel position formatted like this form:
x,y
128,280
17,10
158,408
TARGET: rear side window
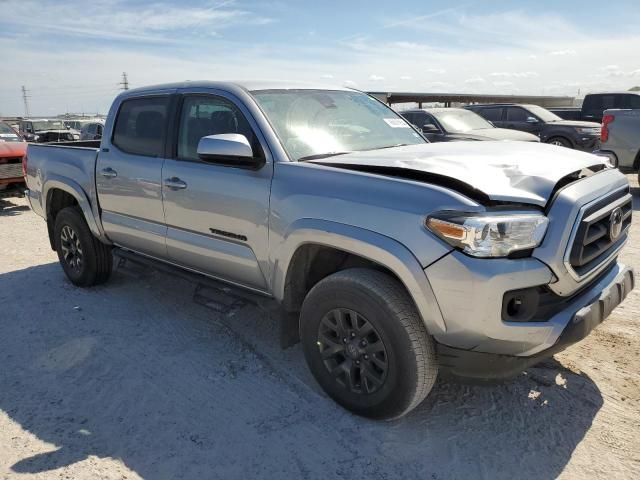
x,y
140,127
491,114
631,101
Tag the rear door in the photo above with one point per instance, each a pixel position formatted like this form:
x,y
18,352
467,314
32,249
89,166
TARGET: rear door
x,y
217,215
129,175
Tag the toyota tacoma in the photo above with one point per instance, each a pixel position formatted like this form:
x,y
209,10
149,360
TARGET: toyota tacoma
x,y
391,259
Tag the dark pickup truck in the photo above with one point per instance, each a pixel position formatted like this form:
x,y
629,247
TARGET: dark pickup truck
x,y
595,104
543,123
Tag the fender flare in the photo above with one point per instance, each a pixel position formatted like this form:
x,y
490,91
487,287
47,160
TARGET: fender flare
x,y
364,243
75,190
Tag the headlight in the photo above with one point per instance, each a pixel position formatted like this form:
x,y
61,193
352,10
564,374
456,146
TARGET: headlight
x,y
488,234
588,130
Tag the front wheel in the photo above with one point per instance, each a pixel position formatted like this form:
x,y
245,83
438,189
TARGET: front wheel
x,y
366,344
560,142
85,260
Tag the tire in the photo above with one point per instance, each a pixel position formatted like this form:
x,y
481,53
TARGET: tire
x,y
74,241
397,362
559,141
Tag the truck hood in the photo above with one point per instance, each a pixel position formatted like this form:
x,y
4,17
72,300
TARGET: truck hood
x,y
520,172
12,149
496,134
576,123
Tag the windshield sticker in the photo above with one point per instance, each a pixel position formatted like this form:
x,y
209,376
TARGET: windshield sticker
x,y
396,123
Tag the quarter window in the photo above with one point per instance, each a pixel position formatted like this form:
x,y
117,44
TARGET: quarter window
x,y
209,115
140,127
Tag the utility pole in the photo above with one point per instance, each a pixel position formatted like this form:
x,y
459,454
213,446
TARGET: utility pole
x,y
25,98
124,82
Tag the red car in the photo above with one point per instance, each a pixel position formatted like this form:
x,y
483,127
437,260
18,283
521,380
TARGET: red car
x,y
12,149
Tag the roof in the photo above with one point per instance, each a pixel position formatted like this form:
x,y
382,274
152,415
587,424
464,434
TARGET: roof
x,y
251,85
422,97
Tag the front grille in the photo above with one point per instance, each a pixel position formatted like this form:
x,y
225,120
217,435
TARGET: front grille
x,y
602,229
10,170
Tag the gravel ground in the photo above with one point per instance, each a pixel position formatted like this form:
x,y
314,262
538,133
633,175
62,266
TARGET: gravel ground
x,y
134,379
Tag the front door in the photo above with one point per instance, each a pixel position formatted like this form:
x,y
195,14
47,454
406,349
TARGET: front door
x,y
216,215
129,176
518,118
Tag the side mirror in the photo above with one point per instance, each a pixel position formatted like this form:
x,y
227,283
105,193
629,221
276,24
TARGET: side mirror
x,y
231,149
532,120
430,128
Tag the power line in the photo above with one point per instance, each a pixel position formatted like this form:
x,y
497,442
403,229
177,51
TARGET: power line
x,y
124,82
25,98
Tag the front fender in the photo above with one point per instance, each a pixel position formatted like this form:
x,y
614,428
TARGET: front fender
x,y
365,243
74,189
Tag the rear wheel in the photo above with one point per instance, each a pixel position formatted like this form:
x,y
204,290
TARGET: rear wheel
x,y
366,344
560,142
85,260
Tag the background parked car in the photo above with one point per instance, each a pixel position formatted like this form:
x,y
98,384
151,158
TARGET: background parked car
x,y
92,131
540,121
451,124
595,104
12,149
620,138
43,131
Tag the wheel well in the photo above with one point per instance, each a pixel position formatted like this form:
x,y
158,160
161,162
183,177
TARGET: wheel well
x,y
311,263
57,200
561,137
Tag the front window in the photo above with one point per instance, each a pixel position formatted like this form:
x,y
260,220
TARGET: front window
x,y
543,114
460,121
313,123
8,134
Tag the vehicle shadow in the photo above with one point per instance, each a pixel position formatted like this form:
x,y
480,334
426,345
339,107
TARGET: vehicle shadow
x,y
136,371
8,208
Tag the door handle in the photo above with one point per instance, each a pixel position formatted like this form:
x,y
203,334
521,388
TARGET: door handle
x,y
174,183
109,172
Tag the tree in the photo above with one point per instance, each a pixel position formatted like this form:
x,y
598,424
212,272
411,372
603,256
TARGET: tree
x,y
635,89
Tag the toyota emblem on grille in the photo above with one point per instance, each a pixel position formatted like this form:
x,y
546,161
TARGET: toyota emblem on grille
x,y
615,223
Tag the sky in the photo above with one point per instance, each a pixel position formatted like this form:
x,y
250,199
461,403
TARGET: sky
x,y
70,55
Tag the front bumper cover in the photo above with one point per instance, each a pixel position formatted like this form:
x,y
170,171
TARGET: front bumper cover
x,y
479,365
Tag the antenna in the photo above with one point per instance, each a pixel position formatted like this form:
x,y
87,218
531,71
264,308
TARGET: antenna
x,y
125,81
25,98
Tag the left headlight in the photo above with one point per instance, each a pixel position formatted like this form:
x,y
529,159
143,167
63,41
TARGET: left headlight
x,y
588,130
488,234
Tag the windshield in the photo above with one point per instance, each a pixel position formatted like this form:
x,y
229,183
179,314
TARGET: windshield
x,y
8,134
460,121
48,125
543,114
312,123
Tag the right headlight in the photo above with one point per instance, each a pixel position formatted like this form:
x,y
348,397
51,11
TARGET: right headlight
x,y
489,234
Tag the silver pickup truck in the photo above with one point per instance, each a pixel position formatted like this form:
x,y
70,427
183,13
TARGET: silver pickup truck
x,y
620,138
391,259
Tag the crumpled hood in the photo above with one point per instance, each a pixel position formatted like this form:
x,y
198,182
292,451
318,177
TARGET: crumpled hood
x,y
12,149
523,172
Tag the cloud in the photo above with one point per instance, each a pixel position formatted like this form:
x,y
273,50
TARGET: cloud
x,y
326,75
439,71
502,84
406,77
474,80
563,52
514,74
350,83
376,78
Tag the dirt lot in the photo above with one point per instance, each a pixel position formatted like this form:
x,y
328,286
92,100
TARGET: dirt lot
x,y
134,379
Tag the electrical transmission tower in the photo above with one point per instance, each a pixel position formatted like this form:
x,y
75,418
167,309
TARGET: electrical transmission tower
x,y
25,99
125,81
